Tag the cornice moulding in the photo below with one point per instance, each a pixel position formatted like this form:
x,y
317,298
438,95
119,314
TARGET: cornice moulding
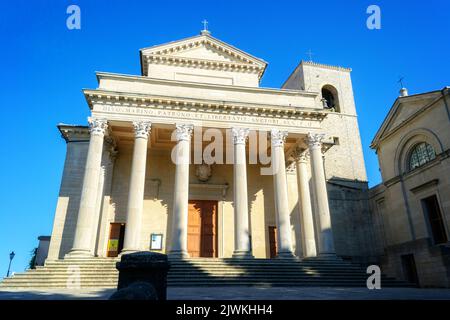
x,y
203,63
326,66
71,132
140,100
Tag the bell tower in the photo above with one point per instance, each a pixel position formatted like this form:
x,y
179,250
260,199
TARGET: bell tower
x,y
333,84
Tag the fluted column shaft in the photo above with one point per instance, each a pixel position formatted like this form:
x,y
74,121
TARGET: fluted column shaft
x,y
326,242
137,184
82,244
304,199
284,238
241,218
181,156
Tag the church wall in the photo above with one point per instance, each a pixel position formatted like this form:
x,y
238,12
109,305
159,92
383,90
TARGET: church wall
x,y
203,75
347,187
180,89
68,200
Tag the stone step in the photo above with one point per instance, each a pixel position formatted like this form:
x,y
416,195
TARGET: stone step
x,y
211,267
102,273
298,266
50,274
260,261
196,275
208,283
215,282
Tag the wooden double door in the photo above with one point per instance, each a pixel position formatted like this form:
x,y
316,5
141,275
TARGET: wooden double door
x,y
202,228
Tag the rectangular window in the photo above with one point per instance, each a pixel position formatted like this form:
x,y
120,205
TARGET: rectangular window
x,y
433,213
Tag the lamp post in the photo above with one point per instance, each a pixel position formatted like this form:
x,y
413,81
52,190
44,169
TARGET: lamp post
x,y
11,256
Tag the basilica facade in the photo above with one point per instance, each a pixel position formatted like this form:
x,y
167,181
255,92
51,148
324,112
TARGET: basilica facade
x,y
194,159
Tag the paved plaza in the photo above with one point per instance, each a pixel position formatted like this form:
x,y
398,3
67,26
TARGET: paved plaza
x,y
241,293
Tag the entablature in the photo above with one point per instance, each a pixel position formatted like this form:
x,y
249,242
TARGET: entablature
x,y
211,113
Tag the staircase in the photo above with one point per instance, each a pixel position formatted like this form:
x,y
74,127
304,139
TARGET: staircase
x,y
101,273
271,272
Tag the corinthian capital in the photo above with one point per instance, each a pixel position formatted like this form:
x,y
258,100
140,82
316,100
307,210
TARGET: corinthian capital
x,y
278,137
183,131
300,154
97,126
315,140
142,129
240,135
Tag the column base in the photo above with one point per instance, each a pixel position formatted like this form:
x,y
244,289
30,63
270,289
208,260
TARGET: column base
x,y
242,255
79,253
286,255
177,255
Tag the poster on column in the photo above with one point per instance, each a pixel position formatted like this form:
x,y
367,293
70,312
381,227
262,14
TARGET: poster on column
x,y
156,241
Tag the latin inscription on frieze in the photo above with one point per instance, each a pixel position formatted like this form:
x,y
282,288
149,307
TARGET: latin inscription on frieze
x,y
206,116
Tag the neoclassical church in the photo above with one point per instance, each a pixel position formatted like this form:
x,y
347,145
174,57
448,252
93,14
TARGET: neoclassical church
x,y
241,184
134,177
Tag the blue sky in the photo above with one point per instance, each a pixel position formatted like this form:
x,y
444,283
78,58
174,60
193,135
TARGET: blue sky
x,y
45,66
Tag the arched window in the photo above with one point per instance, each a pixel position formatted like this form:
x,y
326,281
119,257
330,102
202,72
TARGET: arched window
x,y
421,154
330,98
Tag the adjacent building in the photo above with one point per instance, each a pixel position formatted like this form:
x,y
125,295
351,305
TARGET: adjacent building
x,y
411,207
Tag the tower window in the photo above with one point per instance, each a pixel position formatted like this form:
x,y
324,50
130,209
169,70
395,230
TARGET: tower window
x,y
330,98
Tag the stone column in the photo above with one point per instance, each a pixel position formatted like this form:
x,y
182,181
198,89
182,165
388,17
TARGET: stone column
x,y
137,185
241,218
326,242
304,203
284,238
181,156
82,243
104,203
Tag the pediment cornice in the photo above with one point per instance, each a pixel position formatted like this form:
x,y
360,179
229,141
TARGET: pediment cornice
x,y
203,63
173,53
389,126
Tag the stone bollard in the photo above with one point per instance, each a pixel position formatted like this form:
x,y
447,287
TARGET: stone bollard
x,y
147,267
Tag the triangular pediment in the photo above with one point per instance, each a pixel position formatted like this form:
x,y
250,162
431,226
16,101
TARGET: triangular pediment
x,y
207,52
403,109
203,48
